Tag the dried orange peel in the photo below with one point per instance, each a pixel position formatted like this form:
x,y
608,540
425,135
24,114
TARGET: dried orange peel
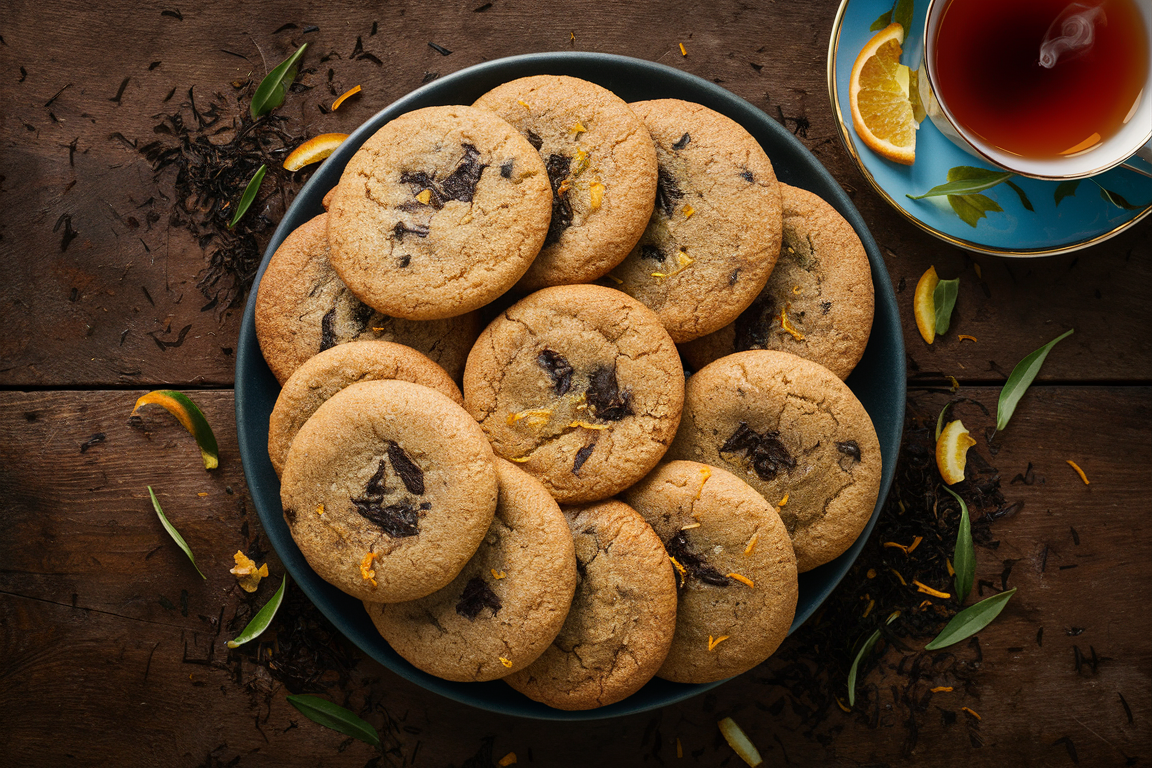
x,y
190,417
924,305
952,451
344,97
878,92
314,150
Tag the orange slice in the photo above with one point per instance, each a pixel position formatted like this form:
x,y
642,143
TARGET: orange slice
x,y
952,452
879,94
924,305
314,150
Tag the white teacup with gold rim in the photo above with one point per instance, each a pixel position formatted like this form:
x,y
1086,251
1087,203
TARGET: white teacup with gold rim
x,y
1051,89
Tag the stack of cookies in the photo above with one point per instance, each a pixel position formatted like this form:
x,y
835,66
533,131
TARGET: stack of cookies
x,y
547,500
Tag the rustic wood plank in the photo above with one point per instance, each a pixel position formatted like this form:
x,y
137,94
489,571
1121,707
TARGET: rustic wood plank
x,y
84,563
98,281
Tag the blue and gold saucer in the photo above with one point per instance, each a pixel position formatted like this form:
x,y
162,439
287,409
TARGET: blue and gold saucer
x,y
1037,218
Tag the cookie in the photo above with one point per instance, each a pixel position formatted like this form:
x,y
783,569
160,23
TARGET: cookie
x,y
623,614
601,166
714,233
793,431
388,490
438,213
332,370
818,302
507,604
580,386
736,572
303,308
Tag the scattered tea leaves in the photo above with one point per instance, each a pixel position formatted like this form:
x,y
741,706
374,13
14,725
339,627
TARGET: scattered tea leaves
x,y
270,93
966,180
964,557
944,298
740,742
190,417
1065,189
865,649
1021,378
262,618
1024,201
971,620
249,195
175,534
336,717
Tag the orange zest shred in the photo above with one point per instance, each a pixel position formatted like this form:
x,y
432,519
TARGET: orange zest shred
x,y
614,279
366,571
796,290
520,459
894,545
507,760
689,527
963,336
787,326
688,211
751,544
202,494
680,571
942,689
523,103
595,195
842,705
578,128
580,163
344,97
679,748
915,543
871,573
951,570
868,610
783,501
929,591
319,509
705,473
683,51
1079,471
586,425
684,261
742,579
425,196
536,417
972,712
378,330
924,604
506,662
497,574
713,643
899,576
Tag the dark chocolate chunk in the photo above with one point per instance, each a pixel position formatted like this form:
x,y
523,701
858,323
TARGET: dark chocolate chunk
x,y
605,398
849,448
694,565
667,191
404,261
396,520
410,474
558,167
558,369
535,140
460,184
825,306
765,451
506,170
377,485
683,142
290,515
476,597
327,332
582,456
402,229
747,176
733,277
361,315
651,252
755,323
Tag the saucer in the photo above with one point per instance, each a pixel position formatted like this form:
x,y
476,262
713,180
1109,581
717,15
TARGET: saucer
x,y
1064,216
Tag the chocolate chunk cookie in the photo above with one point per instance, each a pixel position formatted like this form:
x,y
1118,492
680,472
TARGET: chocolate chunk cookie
x,y
579,385
623,614
332,370
793,431
439,212
601,167
715,231
388,490
507,604
304,308
818,302
736,572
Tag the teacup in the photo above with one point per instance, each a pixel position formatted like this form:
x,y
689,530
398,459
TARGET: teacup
x,y
1070,36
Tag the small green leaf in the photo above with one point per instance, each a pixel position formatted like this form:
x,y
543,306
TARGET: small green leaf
x,y
175,534
964,556
272,89
882,21
902,15
944,297
1024,201
965,180
865,649
1020,379
1117,199
940,419
262,619
1065,189
336,717
972,208
971,620
249,195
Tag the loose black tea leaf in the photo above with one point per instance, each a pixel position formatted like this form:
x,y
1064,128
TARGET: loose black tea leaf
x,y
96,439
582,456
410,473
273,88
608,403
765,452
439,49
249,195
558,369
1020,379
334,716
693,564
476,597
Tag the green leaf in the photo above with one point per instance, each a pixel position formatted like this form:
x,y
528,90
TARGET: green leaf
x,y
334,716
972,208
940,419
965,180
1020,379
190,417
262,619
249,195
865,649
964,556
272,89
882,21
1024,201
1065,189
971,620
1117,199
902,15
944,297
175,534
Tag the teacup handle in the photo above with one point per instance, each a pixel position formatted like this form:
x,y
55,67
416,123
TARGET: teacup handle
x,y
1145,154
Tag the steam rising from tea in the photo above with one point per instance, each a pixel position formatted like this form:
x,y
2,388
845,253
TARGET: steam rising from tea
x,y
1076,30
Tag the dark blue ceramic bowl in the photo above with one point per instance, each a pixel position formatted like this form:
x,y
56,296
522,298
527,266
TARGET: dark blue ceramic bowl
x,y
879,379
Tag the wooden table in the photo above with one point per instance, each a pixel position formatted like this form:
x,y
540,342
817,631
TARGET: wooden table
x,y
112,649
